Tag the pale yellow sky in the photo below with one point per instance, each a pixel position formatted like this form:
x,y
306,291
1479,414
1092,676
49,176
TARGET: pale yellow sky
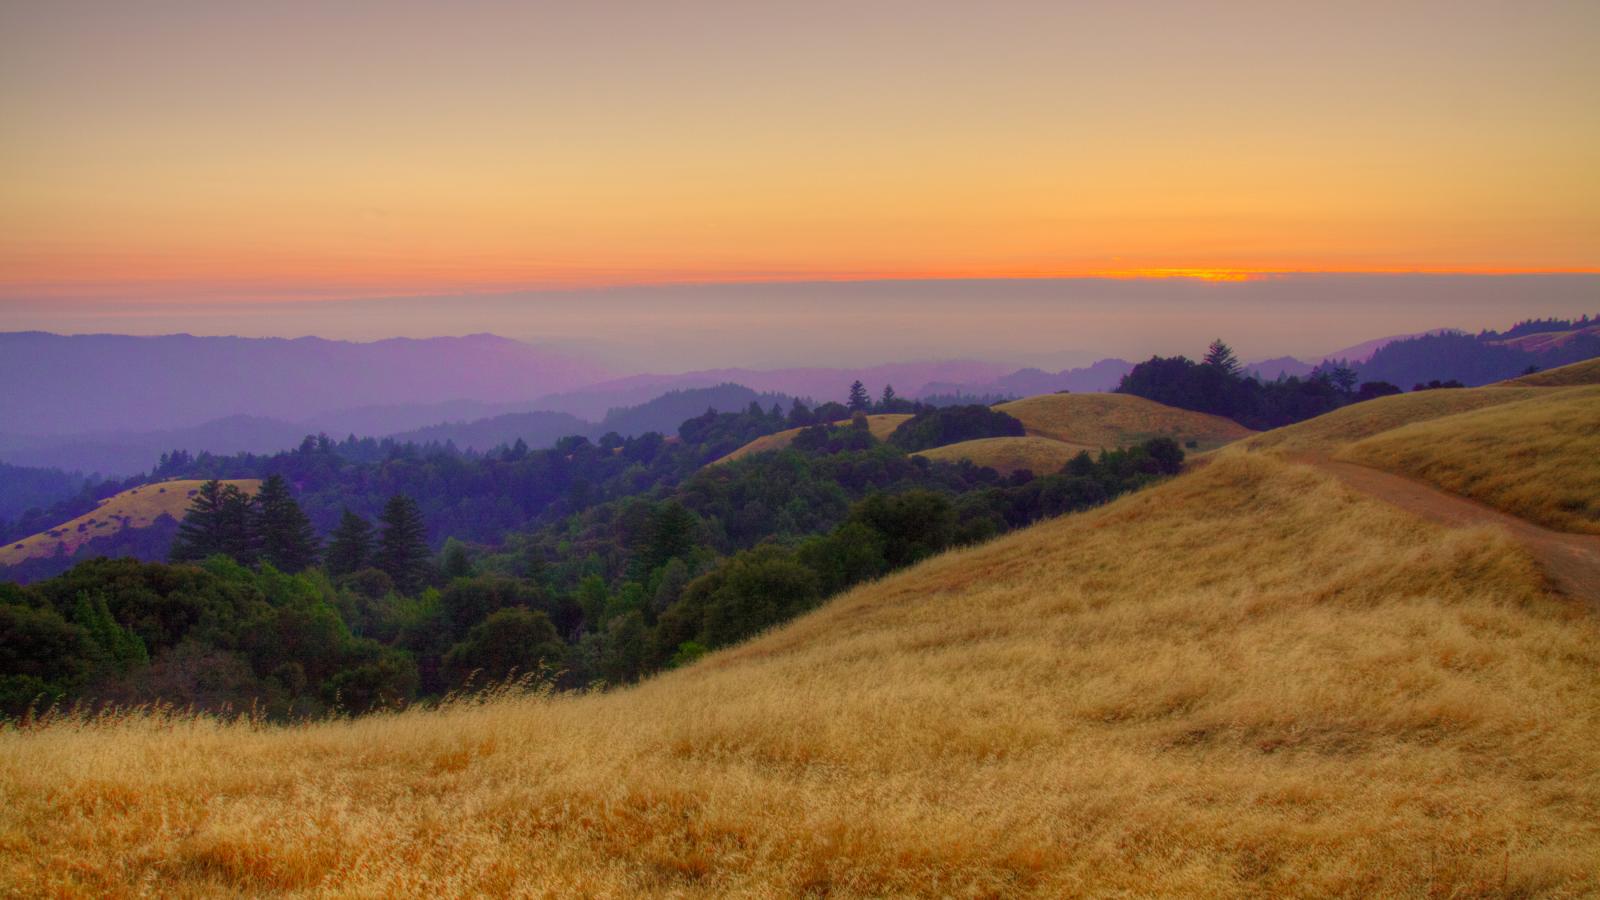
x,y
212,153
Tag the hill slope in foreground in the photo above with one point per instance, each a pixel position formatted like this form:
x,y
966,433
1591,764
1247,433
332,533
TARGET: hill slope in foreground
x,y
136,507
1248,679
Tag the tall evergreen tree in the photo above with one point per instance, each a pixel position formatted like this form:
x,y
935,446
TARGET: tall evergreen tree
x,y
287,538
350,545
1220,356
200,534
403,546
888,397
238,525
859,400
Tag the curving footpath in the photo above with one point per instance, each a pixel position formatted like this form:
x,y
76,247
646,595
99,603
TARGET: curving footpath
x,y
1571,561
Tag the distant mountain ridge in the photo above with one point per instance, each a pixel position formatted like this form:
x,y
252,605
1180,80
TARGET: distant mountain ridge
x,y
81,384
121,454
1100,376
820,384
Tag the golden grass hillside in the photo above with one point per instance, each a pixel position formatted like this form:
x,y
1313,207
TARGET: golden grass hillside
x,y
1039,455
1327,433
1537,458
881,426
134,508
1119,420
1586,372
1245,681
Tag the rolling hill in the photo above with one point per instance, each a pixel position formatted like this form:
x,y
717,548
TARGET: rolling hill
x,y
1059,426
1587,372
1545,341
1327,433
881,426
1528,450
1249,680
134,508
1118,420
1006,455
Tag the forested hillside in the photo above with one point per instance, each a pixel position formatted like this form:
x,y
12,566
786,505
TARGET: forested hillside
x,y
23,489
1218,384
1486,357
611,560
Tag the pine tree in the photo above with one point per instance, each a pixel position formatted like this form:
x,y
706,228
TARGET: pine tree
x,y
199,536
403,546
238,526
288,541
221,519
350,545
1220,356
888,398
859,400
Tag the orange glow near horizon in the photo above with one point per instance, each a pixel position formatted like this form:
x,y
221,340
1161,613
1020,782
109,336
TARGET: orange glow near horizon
x,y
197,153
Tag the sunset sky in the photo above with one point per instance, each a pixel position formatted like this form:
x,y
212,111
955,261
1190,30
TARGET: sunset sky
x,y
208,155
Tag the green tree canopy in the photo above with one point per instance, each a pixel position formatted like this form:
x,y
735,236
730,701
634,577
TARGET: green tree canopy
x,y
350,546
403,546
288,541
514,641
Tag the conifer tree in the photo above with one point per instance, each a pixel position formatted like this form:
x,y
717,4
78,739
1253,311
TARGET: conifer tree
x,y
199,535
221,519
238,526
1220,356
859,400
403,546
287,538
350,545
888,398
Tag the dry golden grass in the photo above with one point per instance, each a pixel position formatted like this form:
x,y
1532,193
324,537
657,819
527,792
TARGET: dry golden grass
x,y
1537,458
134,508
881,426
1586,372
1247,680
1118,420
1039,455
1327,433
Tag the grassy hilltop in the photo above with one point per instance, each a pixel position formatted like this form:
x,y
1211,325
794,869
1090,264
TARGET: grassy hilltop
x,y
1248,679
136,507
881,426
1118,420
1058,427
1010,454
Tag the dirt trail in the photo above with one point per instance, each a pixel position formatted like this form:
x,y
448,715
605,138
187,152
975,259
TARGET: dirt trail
x,y
1570,561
